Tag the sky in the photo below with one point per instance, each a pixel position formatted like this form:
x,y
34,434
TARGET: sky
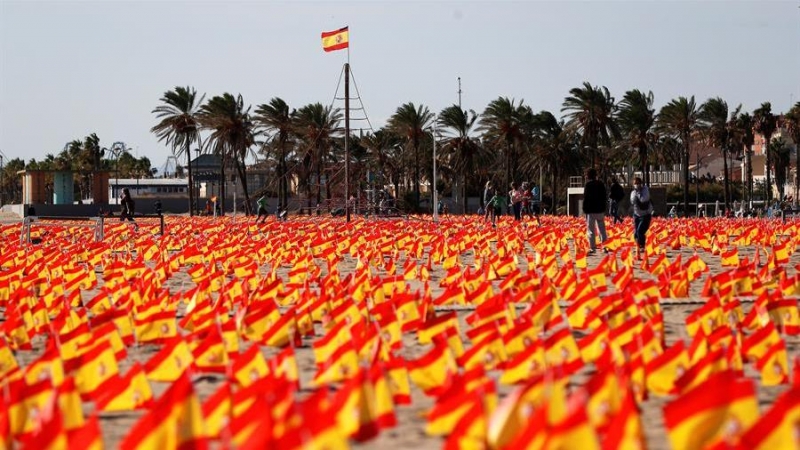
x,y
72,68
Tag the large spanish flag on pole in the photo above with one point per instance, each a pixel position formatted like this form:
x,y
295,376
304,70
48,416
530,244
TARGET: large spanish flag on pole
x,y
335,40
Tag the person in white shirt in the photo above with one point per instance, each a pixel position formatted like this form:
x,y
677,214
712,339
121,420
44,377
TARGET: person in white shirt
x,y
642,213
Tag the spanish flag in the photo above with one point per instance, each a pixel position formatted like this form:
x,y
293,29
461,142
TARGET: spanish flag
x,y
176,421
719,409
335,40
778,427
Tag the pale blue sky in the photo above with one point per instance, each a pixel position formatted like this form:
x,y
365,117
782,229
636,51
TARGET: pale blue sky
x,y
70,68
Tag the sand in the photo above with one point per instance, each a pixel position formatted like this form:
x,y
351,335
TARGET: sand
x,y
409,433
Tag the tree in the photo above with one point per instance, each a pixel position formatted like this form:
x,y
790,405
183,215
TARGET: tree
x,y
276,117
501,124
765,123
232,135
12,184
89,160
381,148
465,152
713,117
743,136
636,119
179,126
679,118
552,144
591,113
781,152
792,123
318,127
409,122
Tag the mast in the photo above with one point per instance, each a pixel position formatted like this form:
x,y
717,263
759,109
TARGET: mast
x,y
347,136
459,92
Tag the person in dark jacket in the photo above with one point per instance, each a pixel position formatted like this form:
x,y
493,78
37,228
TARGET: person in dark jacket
x,y
616,194
127,207
594,206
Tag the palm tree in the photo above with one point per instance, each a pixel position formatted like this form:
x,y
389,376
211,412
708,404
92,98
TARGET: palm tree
x,y
743,126
714,123
318,126
502,127
465,151
410,122
232,135
781,151
275,117
765,123
90,159
553,145
679,118
591,112
636,118
380,146
792,123
179,126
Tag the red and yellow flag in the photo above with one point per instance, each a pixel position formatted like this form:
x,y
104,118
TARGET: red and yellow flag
x,y
719,409
335,40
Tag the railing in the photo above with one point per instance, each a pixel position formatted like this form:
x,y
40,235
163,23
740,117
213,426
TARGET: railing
x,y
95,222
575,182
29,221
657,177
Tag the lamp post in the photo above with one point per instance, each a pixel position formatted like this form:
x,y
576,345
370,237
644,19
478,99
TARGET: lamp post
x,y
435,196
115,152
193,199
2,179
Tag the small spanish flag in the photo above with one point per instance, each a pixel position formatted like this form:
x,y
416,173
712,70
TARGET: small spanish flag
x,y
335,40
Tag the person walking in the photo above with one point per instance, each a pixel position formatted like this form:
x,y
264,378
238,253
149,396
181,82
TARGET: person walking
x,y
594,206
642,213
526,200
128,207
616,194
262,209
536,199
490,202
531,202
515,197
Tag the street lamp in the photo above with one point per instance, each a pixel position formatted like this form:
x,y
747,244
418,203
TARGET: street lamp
x,y
435,196
2,184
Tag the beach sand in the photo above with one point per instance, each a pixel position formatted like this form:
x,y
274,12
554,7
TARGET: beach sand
x,y
409,432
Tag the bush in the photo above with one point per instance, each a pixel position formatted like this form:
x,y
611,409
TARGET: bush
x,y
709,192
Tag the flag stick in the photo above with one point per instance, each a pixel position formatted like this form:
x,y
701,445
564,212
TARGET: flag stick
x,y
347,135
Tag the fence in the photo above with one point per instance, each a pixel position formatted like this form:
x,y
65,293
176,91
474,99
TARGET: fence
x,y
96,222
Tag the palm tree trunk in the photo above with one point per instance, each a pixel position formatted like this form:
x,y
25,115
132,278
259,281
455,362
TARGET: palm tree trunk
x,y
507,181
464,192
221,200
796,169
686,174
284,182
416,178
556,176
643,160
768,169
189,172
749,176
242,169
727,193
319,183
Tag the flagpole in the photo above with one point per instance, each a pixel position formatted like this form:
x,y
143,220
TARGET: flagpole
x,y
347,130
347,135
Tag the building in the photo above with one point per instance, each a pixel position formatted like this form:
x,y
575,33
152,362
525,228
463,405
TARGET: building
x,y
155,188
